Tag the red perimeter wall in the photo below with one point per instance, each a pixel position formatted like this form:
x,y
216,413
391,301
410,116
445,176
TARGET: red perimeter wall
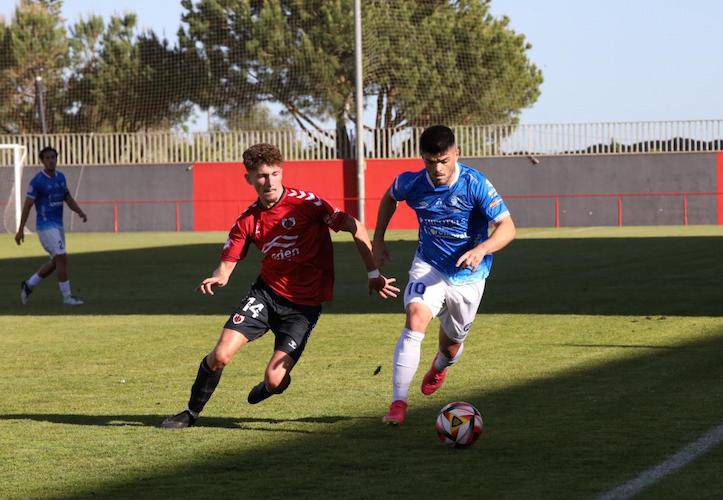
x,y
720,186
220,192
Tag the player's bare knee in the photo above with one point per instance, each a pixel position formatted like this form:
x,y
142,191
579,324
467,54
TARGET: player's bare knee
x,y
418,317
274,379
273,384
60,262
218,359
418,326
449,352
278,373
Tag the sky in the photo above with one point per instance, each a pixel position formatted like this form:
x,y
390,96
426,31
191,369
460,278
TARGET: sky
x,y
622,60
612,60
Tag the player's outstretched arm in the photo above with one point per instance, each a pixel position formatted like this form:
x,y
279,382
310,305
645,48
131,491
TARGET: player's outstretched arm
x,y
20,235
387,207
377,282
503,234
219,278
73,205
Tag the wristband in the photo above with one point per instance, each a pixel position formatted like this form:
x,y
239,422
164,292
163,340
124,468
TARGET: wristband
x,y
373,274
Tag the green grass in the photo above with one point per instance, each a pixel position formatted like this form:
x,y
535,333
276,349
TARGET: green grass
x,y
595,356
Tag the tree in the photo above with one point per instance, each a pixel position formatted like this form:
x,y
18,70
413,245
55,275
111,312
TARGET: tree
x,y
294,53
97,78
260,117
445,62
125,82
34,52
431,61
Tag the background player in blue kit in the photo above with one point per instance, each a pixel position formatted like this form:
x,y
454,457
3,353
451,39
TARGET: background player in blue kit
x,y
48,191
455,205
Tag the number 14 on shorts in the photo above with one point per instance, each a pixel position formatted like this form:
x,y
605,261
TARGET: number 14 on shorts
x,y
254,308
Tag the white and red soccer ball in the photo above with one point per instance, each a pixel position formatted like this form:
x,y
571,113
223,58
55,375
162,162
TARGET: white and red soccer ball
x,y
459,424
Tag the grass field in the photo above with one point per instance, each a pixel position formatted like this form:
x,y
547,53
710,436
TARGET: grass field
x,y
597,354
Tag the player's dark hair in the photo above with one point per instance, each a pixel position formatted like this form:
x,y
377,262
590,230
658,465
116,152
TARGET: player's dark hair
x,y
262,154
47,149
436,139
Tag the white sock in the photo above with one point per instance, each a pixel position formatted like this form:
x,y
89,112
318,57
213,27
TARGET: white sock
x,y
64,288
34,280
406,362
442,361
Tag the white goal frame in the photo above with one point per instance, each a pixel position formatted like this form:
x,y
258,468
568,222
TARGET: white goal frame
x,y
20,154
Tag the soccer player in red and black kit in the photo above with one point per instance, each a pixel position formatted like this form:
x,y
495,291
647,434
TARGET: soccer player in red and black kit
x,y
291,229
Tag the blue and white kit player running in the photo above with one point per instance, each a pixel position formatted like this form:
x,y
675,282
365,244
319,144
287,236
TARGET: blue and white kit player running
x,y
48,192
455,207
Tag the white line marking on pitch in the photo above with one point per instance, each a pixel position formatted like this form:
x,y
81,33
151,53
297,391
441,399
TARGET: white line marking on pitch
x,y
672,464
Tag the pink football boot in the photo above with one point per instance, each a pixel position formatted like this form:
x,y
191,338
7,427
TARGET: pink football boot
x,y
397,412
433,379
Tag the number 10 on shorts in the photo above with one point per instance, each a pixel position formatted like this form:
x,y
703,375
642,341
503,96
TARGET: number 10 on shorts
x,y
415,288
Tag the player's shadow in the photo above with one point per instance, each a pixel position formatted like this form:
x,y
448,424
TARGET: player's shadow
x,y
620,276
155,421
573,433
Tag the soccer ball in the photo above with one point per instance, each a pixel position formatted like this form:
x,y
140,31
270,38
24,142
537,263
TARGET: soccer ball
x,y
459,424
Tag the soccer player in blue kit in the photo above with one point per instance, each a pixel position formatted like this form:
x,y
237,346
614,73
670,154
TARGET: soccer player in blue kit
x,y
48,191
455,205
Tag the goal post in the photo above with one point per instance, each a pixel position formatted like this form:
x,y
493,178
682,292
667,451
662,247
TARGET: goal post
x,y
16,155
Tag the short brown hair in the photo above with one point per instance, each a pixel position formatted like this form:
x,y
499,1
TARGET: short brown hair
x,y
262,154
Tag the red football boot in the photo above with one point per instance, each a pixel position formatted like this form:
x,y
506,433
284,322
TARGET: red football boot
x,y
396,414
433,379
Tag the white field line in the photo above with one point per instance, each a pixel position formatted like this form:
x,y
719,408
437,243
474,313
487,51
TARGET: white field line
x,y
672,464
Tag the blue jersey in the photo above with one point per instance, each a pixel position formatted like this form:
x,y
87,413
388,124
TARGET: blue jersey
x,y
49,194
452,219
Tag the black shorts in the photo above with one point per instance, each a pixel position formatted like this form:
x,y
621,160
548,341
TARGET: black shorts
x,y
263,310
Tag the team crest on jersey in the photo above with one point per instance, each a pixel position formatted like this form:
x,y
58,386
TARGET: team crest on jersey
x,y
237,319
454,201
288,222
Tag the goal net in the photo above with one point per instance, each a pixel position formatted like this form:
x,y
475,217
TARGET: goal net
x,y
274,65
12,161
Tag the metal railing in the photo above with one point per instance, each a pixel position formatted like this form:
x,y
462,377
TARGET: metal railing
x,y
478,141
555,216
160,147
683,198
561,139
